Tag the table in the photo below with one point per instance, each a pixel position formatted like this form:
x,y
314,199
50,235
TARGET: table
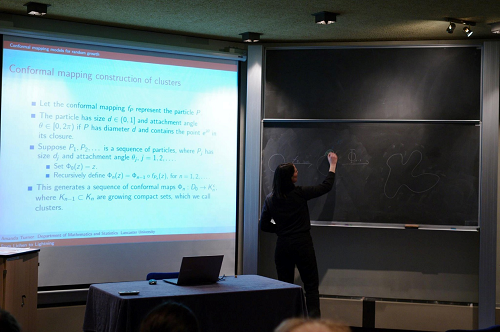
x,y
243,303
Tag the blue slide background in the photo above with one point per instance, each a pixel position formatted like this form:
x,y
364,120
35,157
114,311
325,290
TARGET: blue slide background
x,y
53,187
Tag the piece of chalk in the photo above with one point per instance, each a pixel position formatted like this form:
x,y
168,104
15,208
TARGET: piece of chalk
x,y
411,226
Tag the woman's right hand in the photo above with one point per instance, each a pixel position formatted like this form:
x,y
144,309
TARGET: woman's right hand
x,y
332,158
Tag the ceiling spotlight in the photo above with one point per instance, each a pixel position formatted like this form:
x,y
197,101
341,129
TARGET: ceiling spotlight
x,y
325,18
451,27
36,8
468,31
495,27
250,37
454,21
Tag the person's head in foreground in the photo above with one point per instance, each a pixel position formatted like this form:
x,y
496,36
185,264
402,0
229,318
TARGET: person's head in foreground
x,y
8,323
170,317
311,325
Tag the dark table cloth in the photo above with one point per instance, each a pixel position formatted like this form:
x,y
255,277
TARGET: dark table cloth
x,y
245,303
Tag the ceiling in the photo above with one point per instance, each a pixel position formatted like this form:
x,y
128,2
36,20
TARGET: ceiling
x,y
281,21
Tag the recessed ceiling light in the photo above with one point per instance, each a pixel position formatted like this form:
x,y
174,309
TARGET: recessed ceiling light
x,y
325,18
36,8
250,37
495,27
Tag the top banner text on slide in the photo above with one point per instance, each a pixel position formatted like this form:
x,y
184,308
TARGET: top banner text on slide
x,y
101,145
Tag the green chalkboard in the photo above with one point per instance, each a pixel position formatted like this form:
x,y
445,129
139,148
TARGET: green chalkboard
x,y
387,173
412,83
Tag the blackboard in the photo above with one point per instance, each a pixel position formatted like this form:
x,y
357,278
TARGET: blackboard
x,y
387,173
432,83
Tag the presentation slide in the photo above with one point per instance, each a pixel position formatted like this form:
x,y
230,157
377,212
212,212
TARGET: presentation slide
x,y
101,145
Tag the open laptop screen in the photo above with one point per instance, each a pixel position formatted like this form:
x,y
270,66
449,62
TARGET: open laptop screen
x,y
198,270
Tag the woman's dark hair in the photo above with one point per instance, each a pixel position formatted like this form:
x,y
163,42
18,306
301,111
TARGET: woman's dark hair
x,y
170,317
282,181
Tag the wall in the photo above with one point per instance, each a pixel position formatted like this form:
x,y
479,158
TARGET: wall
x,y
399,271
61,319
408,265
61,315
498,229
391,263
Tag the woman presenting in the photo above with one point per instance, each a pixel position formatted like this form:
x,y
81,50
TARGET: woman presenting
x,y
287,206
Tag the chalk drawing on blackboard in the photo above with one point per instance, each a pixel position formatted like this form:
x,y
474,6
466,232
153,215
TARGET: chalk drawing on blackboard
x,y
296,161
322,164
402,174
353,159
277,159
274,161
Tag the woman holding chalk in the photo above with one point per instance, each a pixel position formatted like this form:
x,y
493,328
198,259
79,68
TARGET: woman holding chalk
x,y
287,206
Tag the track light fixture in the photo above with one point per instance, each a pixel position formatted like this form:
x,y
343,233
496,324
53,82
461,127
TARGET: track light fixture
x,y
36,8
454,21
451,27
250,37
325,18
468,32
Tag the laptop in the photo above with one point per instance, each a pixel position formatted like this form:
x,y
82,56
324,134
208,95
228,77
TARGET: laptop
x,y
198,270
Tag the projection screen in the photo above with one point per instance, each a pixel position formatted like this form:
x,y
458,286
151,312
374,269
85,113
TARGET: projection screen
x,y
116,161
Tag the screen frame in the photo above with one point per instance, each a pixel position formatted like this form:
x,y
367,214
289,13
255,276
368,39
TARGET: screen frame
x,y
156,48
